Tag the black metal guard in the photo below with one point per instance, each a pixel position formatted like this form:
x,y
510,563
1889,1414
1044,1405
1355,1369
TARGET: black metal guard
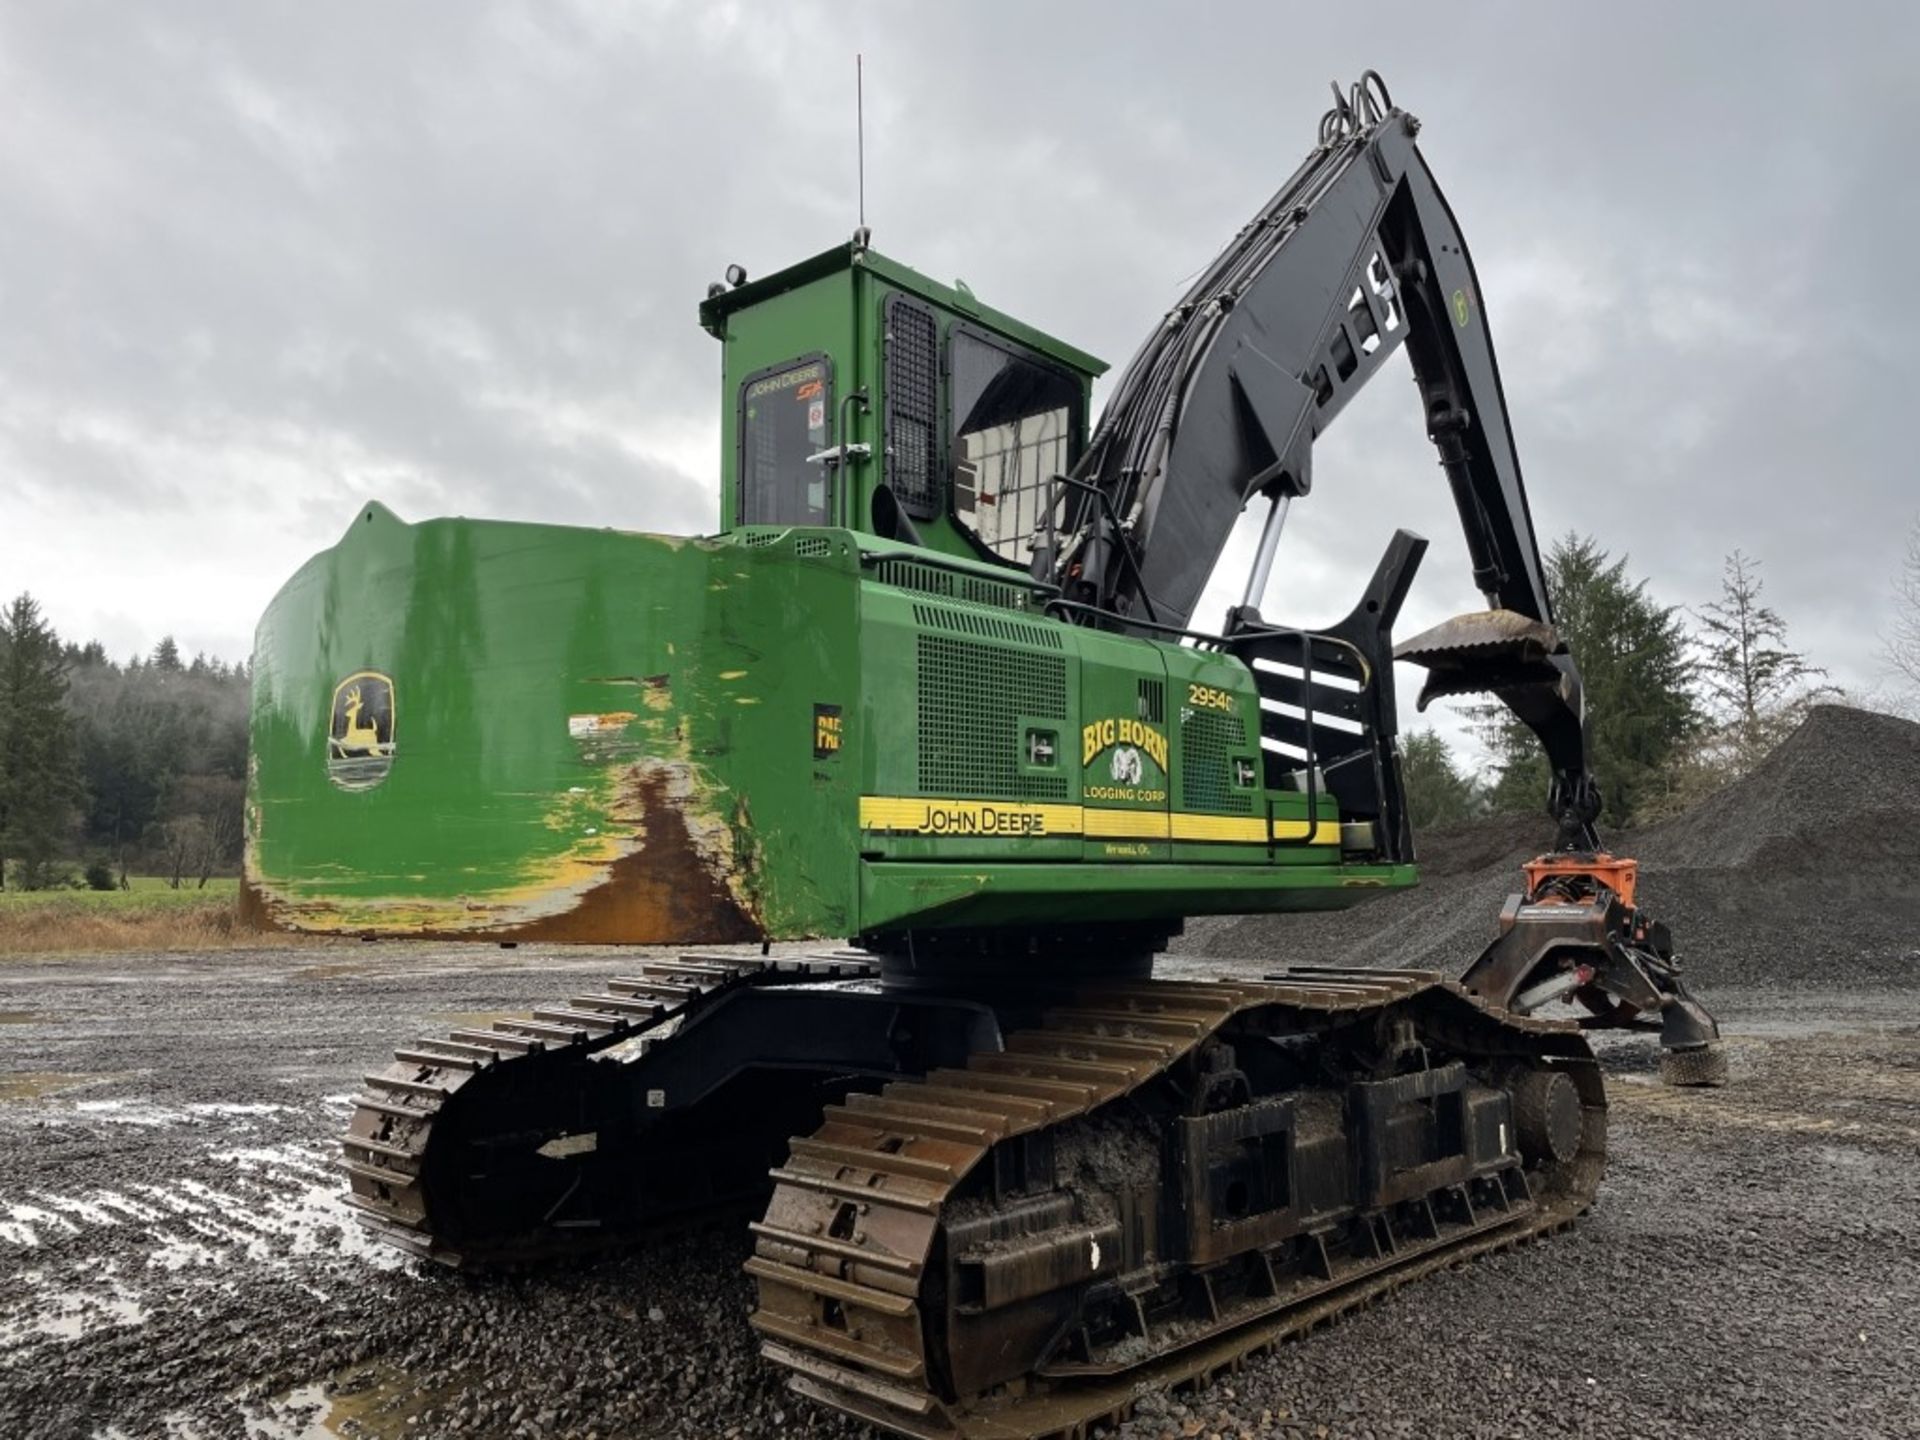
x,y
1360,770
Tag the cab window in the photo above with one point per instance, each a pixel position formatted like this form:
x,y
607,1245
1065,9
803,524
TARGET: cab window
x,y
1014,423
783,420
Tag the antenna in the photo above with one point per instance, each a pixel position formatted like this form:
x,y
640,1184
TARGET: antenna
x,y
860,140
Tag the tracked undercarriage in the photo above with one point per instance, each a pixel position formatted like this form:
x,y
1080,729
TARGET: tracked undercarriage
x,y
1005,1220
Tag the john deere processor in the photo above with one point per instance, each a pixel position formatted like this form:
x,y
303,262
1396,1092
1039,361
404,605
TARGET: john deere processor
x,y
933,689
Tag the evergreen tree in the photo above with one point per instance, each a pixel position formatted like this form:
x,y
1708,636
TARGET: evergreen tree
x,y
1437,792
39,780
1756,687
129,748
1632,653
80,656
147,736
166,655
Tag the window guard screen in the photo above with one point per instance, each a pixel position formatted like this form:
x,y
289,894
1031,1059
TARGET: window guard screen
x,y
913,407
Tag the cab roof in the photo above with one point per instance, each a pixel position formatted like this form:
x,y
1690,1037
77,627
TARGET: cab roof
x,y
715,309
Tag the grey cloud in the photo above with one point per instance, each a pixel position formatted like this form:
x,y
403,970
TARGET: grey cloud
x,y
276,258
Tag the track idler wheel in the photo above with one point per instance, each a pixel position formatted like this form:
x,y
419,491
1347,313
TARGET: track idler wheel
x,y
1697,1065
1546,1116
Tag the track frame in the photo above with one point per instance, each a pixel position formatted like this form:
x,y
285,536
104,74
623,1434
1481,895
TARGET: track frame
x,y
905,1254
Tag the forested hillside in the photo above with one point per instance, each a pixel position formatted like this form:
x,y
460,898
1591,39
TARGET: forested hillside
x,y
110,768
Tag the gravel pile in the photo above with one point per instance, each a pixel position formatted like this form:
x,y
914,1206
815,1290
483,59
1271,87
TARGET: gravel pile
x,y
1799,874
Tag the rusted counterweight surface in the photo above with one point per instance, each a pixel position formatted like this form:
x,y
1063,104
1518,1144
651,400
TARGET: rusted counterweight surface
x,y
669,889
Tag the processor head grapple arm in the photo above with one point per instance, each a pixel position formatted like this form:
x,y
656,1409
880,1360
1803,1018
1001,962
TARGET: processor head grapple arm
x,y
1356,255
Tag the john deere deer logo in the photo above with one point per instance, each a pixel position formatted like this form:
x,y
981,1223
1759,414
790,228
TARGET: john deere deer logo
x,y
360,731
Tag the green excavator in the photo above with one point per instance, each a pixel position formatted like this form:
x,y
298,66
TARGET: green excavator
x,y
933,694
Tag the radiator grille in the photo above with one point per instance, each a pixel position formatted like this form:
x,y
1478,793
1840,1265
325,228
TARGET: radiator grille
x,y
972,698
985,627
950,584
807,547
1207,742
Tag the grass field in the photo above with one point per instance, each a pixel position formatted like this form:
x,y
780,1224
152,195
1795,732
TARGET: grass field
x,y
150,915
143,891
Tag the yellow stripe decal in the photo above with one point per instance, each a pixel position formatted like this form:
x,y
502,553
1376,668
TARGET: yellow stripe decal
x,y
1018,819
1010,818
1326,833
1247,829
1126,824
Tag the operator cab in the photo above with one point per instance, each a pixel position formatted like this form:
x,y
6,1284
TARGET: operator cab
x,y
860,394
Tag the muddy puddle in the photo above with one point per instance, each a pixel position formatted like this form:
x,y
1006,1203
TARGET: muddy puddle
x,y
362,1402
70,1308
473,1019
36,1084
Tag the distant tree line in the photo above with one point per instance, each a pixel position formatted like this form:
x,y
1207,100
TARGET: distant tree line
x,y
109,768
1678,704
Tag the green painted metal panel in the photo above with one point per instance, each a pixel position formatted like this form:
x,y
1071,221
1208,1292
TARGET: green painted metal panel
x,y
588,729
954,688
819,319
1215,716
896,893
526,731
1120,744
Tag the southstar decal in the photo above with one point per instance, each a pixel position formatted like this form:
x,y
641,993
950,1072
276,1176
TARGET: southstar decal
x,y
1101,734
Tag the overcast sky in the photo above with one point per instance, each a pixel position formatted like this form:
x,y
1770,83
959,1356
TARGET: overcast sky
x,y
259,262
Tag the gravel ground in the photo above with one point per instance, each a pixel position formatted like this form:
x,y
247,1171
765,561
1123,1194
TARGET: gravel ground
x,y
175,1260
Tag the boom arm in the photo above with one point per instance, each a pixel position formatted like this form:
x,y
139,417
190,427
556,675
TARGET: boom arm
x,y
1357,254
